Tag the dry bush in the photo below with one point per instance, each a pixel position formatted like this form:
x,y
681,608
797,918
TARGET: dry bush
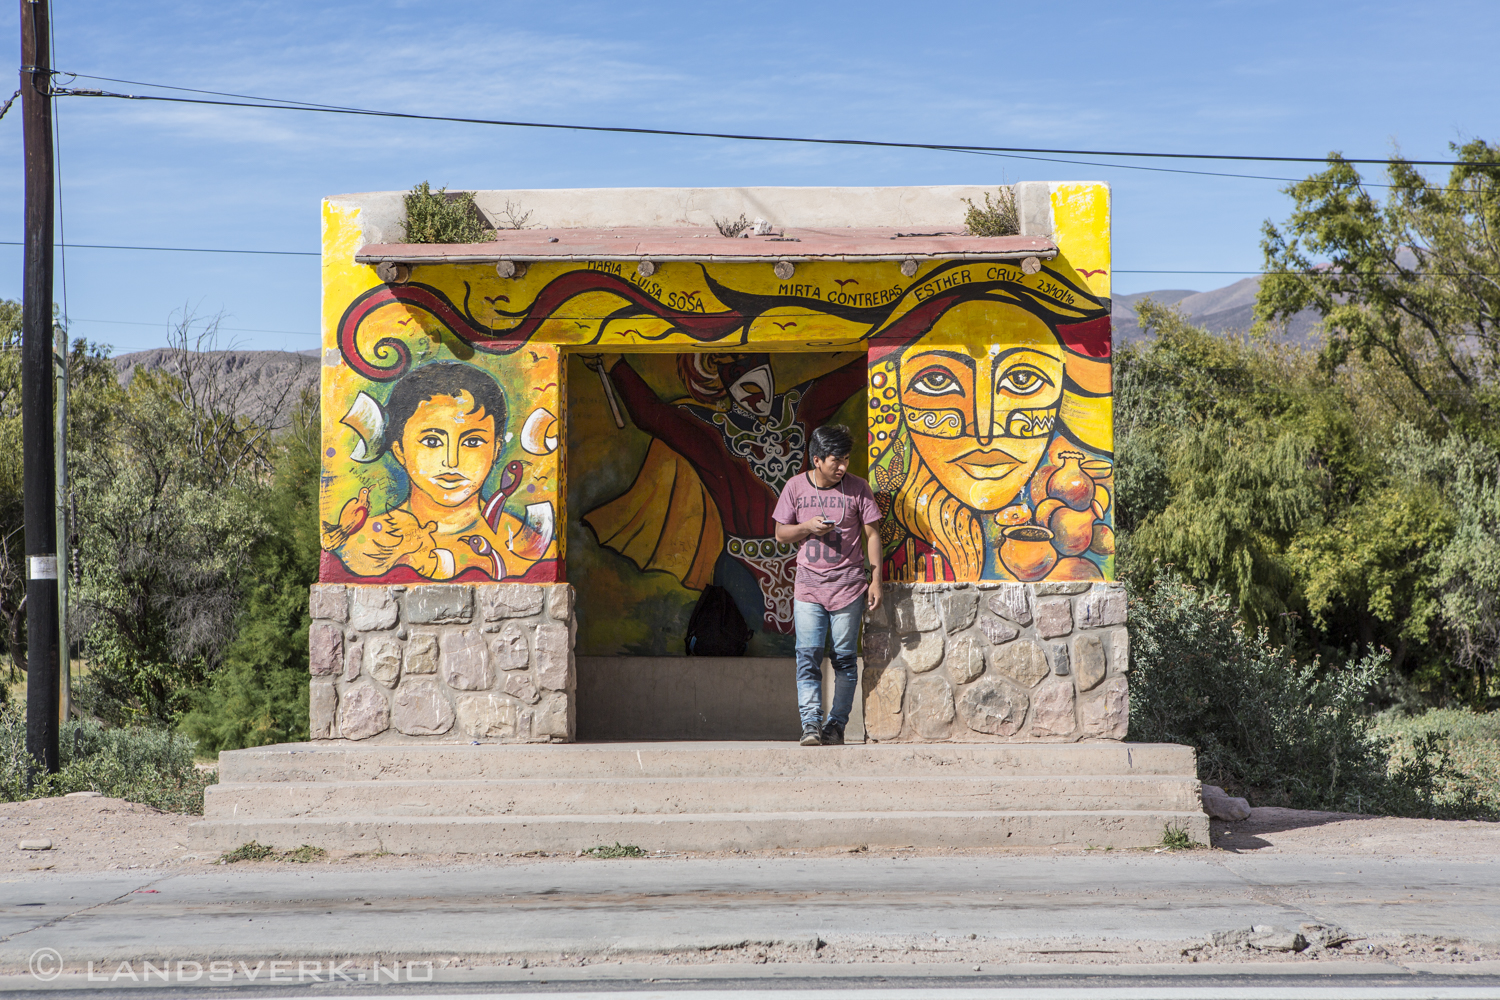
x,y
732,228
999,217
514,218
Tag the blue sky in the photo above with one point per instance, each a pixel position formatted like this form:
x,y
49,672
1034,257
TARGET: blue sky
x,y
1293,78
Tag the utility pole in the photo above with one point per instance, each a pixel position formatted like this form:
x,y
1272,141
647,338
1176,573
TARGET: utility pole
x,y
60,519
42,661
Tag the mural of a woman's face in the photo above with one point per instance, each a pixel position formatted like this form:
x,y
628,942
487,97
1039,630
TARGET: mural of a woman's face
x,y
980,415
448,448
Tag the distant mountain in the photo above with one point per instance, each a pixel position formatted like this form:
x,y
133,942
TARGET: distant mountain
x,y
258,381
1223,310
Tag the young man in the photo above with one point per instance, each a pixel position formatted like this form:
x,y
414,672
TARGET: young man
x,y
827,513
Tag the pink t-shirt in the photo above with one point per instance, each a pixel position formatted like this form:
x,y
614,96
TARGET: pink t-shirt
x,y
831,568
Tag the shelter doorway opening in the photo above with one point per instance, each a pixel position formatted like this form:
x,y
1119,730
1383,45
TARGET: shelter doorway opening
x,y
674,465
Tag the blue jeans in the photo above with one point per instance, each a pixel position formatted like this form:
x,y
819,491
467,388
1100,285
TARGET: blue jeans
x,y
813,623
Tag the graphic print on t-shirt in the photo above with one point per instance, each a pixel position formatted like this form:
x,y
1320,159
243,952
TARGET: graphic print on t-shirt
x,y
832,547
830,567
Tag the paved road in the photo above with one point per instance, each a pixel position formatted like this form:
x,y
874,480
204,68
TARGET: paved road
x,y
1220,986
626,908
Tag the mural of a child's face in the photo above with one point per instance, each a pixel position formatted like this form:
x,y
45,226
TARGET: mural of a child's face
x,y
448,448
980,415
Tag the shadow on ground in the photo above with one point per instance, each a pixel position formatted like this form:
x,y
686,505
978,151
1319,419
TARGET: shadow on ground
x,y
1250,834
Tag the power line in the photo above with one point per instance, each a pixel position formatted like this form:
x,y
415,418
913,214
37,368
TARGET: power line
x,y
1010,156
1137,166
292,104
107,246
212,93
1334,274
266,103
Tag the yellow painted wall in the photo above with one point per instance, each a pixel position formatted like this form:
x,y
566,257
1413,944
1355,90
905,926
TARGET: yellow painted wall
x,y
988,437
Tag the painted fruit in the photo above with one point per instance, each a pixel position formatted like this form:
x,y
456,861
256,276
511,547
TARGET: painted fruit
x,y
1075,568
1072,530
1101,498
1027,551
1046,508
1104,540
1017,513
1070,483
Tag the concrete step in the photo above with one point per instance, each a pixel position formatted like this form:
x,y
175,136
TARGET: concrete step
x,y
699,796
677,796
346,761
705,832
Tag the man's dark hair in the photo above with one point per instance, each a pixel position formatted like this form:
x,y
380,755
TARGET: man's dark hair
x,y
831,439
443,378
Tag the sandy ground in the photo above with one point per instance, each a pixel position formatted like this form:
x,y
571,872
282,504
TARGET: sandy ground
x,y
1298,831
92,833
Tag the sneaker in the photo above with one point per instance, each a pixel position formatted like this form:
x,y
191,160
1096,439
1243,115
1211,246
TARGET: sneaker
x,y
811,737
833,734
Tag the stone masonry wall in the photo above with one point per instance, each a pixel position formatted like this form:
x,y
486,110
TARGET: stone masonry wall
x,y
1005,662
443,663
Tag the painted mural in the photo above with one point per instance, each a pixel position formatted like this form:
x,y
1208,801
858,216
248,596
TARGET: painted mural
x,y
991,434
687,454
466,414
435,475
734,441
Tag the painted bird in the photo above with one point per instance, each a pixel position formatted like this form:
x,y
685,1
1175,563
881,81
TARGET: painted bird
x,y
482,546
510,479
351,519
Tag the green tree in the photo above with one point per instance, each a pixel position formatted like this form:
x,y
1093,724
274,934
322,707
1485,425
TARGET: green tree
x,y
259,695
1254,469
1410,280
1464,572
91,378
169,509
1215,477
1408,293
